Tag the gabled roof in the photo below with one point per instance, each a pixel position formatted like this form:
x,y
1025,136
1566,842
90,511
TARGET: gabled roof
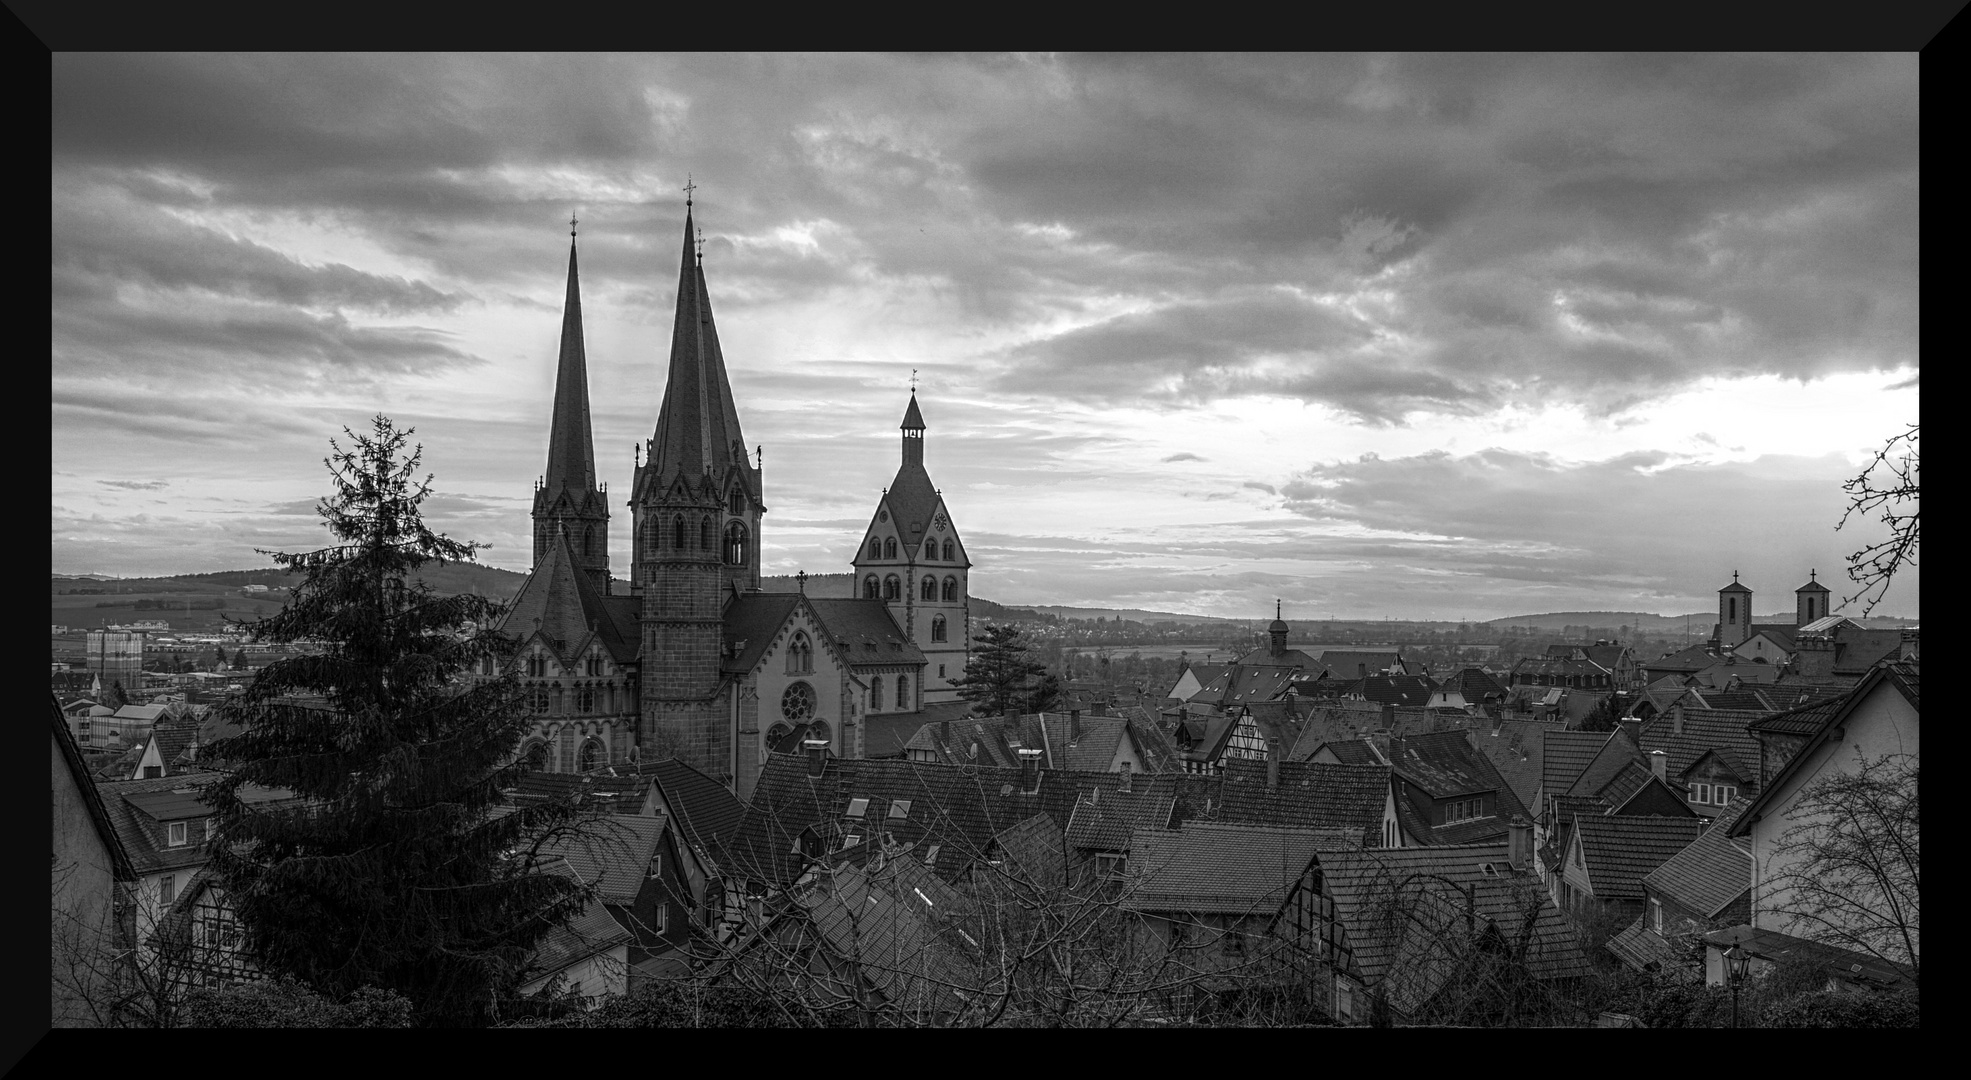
x,y
562,603
1901,676
591,931
1781,634
1616,755
1565,755
1645,950
92,798
1694,658
1828,624
888,928
1514,749
1410,690
124,801
1710,872
1311,794
1106,822
1619,851
754,618
1362,881
1216,867
613,851
1723,730
707,813
912,500
1443,764
865,631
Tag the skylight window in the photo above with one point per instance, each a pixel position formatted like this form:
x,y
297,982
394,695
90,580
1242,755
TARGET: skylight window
x,y
900,808
858,807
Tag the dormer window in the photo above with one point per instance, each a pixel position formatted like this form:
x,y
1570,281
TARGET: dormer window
x,y
1464,810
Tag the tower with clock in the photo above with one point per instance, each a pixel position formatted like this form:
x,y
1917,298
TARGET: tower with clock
x,y
912,559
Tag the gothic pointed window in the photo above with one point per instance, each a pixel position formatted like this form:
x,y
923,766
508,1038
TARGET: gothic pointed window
x,y
536,757
930,589
892,588
875,692
875,548
800,655
951,589
735,544
677,532
937,628
705,534
890,547
947,551
650,538
903,692
869,587
738,504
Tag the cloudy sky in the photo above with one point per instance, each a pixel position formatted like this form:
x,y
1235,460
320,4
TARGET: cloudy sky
x,y
1406,336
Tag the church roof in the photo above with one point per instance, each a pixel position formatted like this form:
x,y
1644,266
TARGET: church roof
x,y
754,618
567,606
698,424
571,445
912,419
912,499
865,631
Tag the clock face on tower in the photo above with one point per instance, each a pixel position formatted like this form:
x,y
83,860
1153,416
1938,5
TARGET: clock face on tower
x,y
940,521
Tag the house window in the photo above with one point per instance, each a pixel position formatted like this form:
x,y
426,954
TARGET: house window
x,y
590,756
937,632
152,772
941,666
677,532
1109,867
1722,795
858,807
657,865
735,542
800,655
167,887
1703,793
900,808
875,548
663,918
930,550
903,692
176,834
875,692
485,665
595,665
211,829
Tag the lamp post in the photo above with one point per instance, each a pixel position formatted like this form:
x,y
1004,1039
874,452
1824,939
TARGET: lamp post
x,y
1737,961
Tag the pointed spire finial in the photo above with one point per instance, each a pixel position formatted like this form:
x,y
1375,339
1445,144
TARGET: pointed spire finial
x,y
701,243
913,380
688,188
1734,577
1812,576
1276,607
572,221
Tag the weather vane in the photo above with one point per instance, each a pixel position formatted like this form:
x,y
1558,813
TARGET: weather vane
x,y
688,188
701,244
913,380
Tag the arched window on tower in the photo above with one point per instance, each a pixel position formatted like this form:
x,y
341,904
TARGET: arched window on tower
x,y
937,628
705,533
677,532
735,544
930,549
875,693
947,551
738,503
892,588
903,692
869,587
875,548
890,548
930,590
951,589
588,541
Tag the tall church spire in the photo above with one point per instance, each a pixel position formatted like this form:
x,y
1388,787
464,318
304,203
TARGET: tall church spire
x,y
571,445
697,425
569,499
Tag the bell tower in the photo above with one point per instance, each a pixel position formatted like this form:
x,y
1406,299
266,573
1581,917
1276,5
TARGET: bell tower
x,y
1734,614
567,498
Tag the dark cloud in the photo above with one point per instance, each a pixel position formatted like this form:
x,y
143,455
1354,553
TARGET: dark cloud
x,y
1186,456
136,485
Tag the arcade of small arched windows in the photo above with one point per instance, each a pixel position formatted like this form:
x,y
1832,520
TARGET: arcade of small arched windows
x,y
579,746
890,547
930,589
947,551
937,628
870,587
951,589
735,544
892,588
584,698
875,548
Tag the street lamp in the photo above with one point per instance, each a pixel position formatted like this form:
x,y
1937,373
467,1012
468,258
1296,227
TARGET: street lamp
x,y
1737,961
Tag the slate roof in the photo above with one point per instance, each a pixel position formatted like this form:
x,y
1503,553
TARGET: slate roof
x,y
1443,764
1243,683
1310,794
1352,752
1723,730
1710,872
1855,651
1361,881
571,447
865,631
755,618
1780,633
592,931
1514,747
1619,851
1215,867
567,606
133,808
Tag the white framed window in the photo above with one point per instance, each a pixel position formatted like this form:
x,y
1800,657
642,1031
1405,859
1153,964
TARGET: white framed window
x,y
1656,915
657,865
1703,793
663,918
1723,795
175,834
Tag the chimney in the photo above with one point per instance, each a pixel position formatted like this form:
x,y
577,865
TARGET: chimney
x,y
1273,763
817,756
1074,726
1659,764
1677,718
1125,777
1631,727
1519,843
1029,770
944,734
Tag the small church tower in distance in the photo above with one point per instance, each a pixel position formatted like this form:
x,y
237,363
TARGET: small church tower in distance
x,y
911,557
1810,600
1734,614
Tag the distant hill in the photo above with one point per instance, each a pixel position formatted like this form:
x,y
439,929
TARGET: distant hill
x,y
1645,623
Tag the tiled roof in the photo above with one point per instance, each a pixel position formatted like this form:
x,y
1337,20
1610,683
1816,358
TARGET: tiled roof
x,y
1442,764
1352,752
755,618
1709,873
708,813
1723,730
1105,822
1565,755
1362,882
1614,757
1694,658
149,853
1206,867
889,929
613,851
1855,651
1353,663
1513,747
1310,794
1846,964
1645,950
592,931
1398,689
1901,676
1619,851
1475,683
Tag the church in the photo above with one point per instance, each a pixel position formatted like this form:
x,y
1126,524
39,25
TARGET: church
x,y
694,660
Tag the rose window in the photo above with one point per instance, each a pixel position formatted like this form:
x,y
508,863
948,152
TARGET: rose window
x,y
797,704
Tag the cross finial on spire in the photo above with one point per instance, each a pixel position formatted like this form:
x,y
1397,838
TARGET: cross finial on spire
x,y
701,244
572,220
688,188
1812,576
1276,607
1734,577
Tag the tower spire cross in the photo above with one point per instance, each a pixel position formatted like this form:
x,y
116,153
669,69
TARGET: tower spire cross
x,y
572,220
913,380
688,188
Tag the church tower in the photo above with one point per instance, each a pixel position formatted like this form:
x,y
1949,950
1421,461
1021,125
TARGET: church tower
x,y
912,558
1810,600
567,498
1734,614
696,507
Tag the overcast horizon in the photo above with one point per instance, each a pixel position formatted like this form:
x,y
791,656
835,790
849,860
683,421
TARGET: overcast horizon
x,y
1420,337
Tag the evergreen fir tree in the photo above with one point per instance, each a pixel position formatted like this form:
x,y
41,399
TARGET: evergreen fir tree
x,y
1001,678
389,867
